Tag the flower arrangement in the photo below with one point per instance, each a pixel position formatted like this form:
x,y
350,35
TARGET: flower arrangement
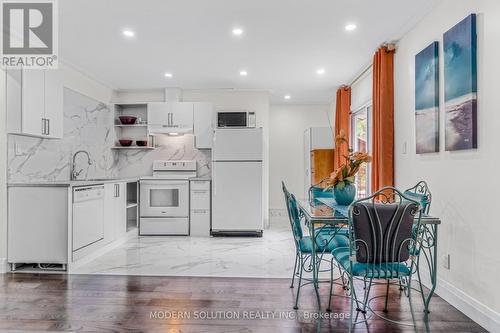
x,y
346,173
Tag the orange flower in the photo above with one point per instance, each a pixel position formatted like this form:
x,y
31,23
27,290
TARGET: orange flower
x,y
361,157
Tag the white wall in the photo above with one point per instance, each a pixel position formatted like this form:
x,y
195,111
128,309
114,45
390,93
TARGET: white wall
x,y
464,184
85,85
286,150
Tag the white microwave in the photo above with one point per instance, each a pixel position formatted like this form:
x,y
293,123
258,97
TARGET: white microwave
x,y
235,119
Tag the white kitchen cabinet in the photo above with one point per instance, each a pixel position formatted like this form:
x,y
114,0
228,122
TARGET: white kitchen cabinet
x,y
182,114
54,112
200,216
37,224
115,211
33,100
35,103
170,117
159,113
203,125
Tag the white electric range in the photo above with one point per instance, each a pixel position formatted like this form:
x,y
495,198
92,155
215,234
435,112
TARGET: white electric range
x,y
164,201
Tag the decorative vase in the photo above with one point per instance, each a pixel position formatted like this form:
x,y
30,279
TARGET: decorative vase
x,y
346,195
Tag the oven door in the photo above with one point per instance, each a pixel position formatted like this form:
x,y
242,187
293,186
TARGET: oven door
x,y
164,198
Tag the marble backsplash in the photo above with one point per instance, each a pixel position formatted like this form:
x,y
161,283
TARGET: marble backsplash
x,y
133,163
88,125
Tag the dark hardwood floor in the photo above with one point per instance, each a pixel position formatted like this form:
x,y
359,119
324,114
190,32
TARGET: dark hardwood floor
x,y
97,303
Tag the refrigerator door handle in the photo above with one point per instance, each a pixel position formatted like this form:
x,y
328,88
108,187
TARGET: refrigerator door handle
x,y
214,183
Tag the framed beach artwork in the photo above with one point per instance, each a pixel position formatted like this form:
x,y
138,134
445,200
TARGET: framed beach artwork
x,y
460,77
427,99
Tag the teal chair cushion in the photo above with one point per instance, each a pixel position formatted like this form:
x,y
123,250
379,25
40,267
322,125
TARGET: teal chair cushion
x,y
377,271
323,243
334,230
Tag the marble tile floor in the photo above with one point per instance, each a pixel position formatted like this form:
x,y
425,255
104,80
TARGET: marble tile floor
x,y
271,256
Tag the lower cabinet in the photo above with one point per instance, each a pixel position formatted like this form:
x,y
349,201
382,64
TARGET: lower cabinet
x,y
200,217
115,211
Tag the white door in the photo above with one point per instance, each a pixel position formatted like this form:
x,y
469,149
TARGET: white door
x,y
33,101
54,103
237,196
182,114
203,125
242,144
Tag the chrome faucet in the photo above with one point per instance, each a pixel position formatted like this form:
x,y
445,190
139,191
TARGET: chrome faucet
x,y
74,173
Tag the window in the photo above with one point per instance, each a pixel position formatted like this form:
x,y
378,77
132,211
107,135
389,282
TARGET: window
x,y
361,141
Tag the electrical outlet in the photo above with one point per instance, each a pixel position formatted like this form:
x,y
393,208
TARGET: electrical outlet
x,y
447,261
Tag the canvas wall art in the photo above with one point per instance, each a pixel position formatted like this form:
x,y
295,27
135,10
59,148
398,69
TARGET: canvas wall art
x,y
427,99
460,76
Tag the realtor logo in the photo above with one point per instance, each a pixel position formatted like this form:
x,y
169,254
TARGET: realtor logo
x,y
29,34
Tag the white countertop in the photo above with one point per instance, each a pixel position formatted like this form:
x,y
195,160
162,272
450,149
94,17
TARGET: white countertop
x,y
75,183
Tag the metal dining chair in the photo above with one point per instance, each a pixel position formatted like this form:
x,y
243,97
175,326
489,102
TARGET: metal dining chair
x,y
421,193
304,244
381,247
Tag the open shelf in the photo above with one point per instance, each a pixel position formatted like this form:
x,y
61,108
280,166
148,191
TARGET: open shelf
x,y
133,147
131,204
133,125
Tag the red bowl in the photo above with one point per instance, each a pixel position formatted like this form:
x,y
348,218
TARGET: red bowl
x,y
141,143
127,120
125,143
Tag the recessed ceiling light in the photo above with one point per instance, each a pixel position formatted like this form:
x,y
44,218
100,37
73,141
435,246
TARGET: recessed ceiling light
x,y
320,71
169,75
243,73
350,27
237,31
128,33
287,97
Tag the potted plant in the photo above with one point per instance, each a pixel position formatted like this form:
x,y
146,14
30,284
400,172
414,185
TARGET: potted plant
x,y
342,179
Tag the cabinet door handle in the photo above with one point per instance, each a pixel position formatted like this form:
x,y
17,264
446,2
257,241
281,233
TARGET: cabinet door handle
x,y
43,126
48,126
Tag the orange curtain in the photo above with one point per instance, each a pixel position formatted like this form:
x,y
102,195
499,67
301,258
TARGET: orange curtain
x,y
383,119
342,122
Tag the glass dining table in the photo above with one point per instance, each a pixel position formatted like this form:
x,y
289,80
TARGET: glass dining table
x,y
324,212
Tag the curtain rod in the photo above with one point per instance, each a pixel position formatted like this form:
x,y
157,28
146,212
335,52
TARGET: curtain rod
x,y
360,75
391,46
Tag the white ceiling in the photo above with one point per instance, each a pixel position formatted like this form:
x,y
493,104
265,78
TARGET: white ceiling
x,y
284,42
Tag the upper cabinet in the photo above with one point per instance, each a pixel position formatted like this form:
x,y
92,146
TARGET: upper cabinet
x,y
203,125
170,117
35,103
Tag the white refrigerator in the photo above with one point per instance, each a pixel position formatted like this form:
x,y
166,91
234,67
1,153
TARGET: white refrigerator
x,y
237,182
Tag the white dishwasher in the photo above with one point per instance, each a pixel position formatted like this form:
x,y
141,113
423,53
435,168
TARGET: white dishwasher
x,y
88,215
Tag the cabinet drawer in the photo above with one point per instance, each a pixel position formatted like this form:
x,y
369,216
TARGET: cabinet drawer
x,y
200,185
200,199
164,226
200,223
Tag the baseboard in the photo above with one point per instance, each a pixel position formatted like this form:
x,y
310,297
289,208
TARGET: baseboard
x,y
471,307
277,213
4,266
